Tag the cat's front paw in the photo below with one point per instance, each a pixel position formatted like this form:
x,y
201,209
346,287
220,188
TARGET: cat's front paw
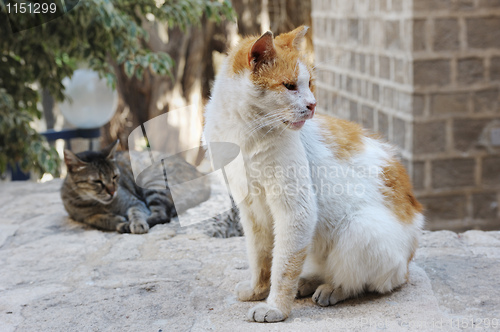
x,y
139,227
265,313
122,224
245,292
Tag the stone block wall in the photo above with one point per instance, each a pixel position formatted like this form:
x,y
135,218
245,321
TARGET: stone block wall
x,y
426,75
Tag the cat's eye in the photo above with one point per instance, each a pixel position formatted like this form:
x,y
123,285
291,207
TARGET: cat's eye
x,y
99,182
115,177
290,86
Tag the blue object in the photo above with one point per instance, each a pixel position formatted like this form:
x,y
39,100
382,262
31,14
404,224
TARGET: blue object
x,y
65,134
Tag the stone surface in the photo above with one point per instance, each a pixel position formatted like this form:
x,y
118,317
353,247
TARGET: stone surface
x,y
495,69
483,32
491,171
470,70
59,275
467,133
449,103
444,207
446,34
453,173
431,72
429,137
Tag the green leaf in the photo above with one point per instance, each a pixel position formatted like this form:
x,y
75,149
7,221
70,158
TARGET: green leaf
x,y
129,69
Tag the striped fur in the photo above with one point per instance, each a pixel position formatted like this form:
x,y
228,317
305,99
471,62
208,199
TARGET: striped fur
x,y
100,191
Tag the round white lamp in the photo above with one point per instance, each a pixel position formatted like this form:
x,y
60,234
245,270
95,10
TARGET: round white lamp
x,y
92,103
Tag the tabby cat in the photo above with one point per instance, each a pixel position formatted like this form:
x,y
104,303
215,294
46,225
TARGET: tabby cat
x,y
100,191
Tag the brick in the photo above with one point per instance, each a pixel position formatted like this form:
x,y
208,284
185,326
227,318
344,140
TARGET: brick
x,y
353,111
449,103
447,207
446,34
483,32
397,5
491,170
399,132
485,206
399,71
365,32
418,105
431,72
495,69
489,3
467,132
453,173
419,34
333,103
367,116
392,38
487,101
429,137
388,97
362,63
465,5
372,65
470,71
352,61
383,124
418,176
349,84
426,5
385,67
405,101
383,5
353,29
376,92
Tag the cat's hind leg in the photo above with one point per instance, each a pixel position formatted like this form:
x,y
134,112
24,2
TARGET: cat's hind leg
x,y
326,295
308,285
311,278
161,206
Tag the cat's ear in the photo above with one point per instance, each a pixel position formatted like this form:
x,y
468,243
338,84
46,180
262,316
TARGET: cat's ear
x,y
294,38
262,50
111,149
73,163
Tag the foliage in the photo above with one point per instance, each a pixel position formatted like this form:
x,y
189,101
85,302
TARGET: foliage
x,y
97,32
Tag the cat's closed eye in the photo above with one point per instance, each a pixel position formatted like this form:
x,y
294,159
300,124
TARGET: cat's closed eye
x,y
290,86
98,182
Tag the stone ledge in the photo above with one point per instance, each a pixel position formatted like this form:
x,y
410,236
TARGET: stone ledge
x,y
59,275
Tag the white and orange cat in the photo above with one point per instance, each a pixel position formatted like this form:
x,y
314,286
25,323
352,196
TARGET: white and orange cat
x,y
329,210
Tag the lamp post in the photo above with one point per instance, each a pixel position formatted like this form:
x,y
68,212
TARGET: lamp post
x,y
91,104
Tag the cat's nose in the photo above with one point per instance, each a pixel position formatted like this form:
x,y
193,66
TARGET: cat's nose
x,y
311,107
110,190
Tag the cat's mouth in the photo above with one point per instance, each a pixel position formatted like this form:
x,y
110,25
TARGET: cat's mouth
x,y
299,124
106,200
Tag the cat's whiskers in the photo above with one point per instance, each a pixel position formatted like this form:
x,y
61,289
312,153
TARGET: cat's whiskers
x,y
273,124
271,119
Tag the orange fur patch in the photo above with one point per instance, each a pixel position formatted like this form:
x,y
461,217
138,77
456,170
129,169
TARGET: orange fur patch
x,y
282,68
399,192
287,287
343,137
